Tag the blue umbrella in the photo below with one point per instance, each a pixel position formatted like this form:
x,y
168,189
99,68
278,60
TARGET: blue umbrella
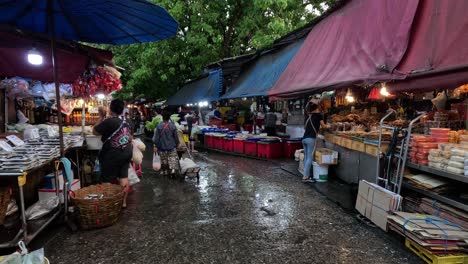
x,y
114,22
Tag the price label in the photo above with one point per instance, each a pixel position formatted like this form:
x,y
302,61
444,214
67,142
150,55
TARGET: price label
x,y
93,110
15,140
5,146
35,133
51,132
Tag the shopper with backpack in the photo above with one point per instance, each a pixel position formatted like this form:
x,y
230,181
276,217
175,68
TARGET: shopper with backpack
x,y
116,153
165,141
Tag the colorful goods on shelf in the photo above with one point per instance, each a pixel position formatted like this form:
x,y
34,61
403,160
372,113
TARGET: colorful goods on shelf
x,y
420,148
97,80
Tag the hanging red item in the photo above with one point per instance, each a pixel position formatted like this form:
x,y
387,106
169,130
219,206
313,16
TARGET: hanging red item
x,y
374,94
95,81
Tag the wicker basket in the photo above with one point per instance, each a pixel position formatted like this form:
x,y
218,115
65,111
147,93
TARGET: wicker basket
x,y
97,213
4,201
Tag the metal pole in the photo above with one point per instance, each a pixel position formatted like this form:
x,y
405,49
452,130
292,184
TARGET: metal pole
x,y
377,176
50,15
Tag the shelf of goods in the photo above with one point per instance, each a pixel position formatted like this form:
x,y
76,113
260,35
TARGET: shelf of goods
x,y
437,197
441,173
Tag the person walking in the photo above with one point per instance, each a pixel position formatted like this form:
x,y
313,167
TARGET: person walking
x,y
190,119
116,152
270,123
165,141
312,124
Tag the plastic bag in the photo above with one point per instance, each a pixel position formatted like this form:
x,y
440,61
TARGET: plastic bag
x,y
186,164
137,155
156,162
24,257
42,208
12,207
132,176
141,146
440,101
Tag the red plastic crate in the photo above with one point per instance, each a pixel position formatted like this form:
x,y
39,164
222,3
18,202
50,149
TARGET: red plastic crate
x,y
250,148
228,144
270,150
290,148
209,141
218,142
238,146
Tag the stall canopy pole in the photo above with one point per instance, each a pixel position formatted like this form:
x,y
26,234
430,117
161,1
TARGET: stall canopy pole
x,y
56,81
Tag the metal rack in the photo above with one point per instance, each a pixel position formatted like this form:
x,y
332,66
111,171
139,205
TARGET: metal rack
x,y
393,181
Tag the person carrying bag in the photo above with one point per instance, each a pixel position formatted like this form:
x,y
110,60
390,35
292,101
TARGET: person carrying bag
x,y
312,124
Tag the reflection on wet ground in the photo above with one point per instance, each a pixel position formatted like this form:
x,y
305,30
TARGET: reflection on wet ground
x,y
243,211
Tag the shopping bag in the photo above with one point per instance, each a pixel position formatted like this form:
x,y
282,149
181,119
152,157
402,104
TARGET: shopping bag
x,y
156,162
132,176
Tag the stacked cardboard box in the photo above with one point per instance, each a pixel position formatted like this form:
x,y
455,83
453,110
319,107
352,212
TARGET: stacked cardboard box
x,y
376,203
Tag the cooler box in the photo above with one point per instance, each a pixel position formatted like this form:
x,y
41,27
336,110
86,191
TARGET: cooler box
x,y
47,193
218,142
290,147
238,145
250,148
209,141
228,144
269,150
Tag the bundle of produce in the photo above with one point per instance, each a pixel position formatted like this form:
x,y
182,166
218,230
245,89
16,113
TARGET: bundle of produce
x,y
440,134
436,235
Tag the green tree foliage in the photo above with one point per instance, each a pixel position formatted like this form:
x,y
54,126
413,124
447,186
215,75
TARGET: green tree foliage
x,y
209,30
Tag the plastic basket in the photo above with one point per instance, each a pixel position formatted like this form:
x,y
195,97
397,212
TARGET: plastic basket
x,y
4,201
270,150
97,213
228,144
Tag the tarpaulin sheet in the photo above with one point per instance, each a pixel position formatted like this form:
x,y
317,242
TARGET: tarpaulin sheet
x,y
206,89
437,56
361,42
260,76
71,61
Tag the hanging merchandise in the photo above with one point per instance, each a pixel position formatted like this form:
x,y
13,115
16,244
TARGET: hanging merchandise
x,y
16,87
97,80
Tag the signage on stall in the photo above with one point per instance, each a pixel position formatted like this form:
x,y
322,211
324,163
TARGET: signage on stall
x,y
15,140
5,146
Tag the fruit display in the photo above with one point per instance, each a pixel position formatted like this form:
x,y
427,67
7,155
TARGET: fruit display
x,y
97,80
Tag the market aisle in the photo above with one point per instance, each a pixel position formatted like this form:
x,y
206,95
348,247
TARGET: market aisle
x,y
243,211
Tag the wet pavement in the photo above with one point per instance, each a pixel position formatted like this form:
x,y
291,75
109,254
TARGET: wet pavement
x,y
243,211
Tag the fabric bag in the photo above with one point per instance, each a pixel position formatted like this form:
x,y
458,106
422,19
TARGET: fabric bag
x,y
156,162
132,176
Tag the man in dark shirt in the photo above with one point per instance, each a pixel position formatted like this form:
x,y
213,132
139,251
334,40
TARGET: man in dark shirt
x,y
116,152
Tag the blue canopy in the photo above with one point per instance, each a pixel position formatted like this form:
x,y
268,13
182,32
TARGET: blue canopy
x,y
96,21
206,89
260,76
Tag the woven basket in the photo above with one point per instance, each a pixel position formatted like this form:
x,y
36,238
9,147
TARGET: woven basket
x,y
4,201
97,213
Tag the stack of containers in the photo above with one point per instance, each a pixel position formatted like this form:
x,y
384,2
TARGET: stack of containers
x,y
440,135
420,147
457,161
439,158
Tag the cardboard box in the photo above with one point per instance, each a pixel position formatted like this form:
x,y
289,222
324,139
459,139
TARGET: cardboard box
x,y
325,156
47,193
376,203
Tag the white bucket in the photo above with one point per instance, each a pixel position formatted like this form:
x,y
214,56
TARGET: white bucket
x,y
320,172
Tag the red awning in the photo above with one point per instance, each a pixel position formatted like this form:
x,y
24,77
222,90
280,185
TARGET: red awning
x,y
437,56
363,41
72,60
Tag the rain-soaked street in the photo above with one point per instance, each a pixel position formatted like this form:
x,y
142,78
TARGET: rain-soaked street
x,y
243,211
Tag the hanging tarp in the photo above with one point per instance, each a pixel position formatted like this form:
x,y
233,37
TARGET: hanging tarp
x,y
437,56
72,59
360,42
205,89
260,76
